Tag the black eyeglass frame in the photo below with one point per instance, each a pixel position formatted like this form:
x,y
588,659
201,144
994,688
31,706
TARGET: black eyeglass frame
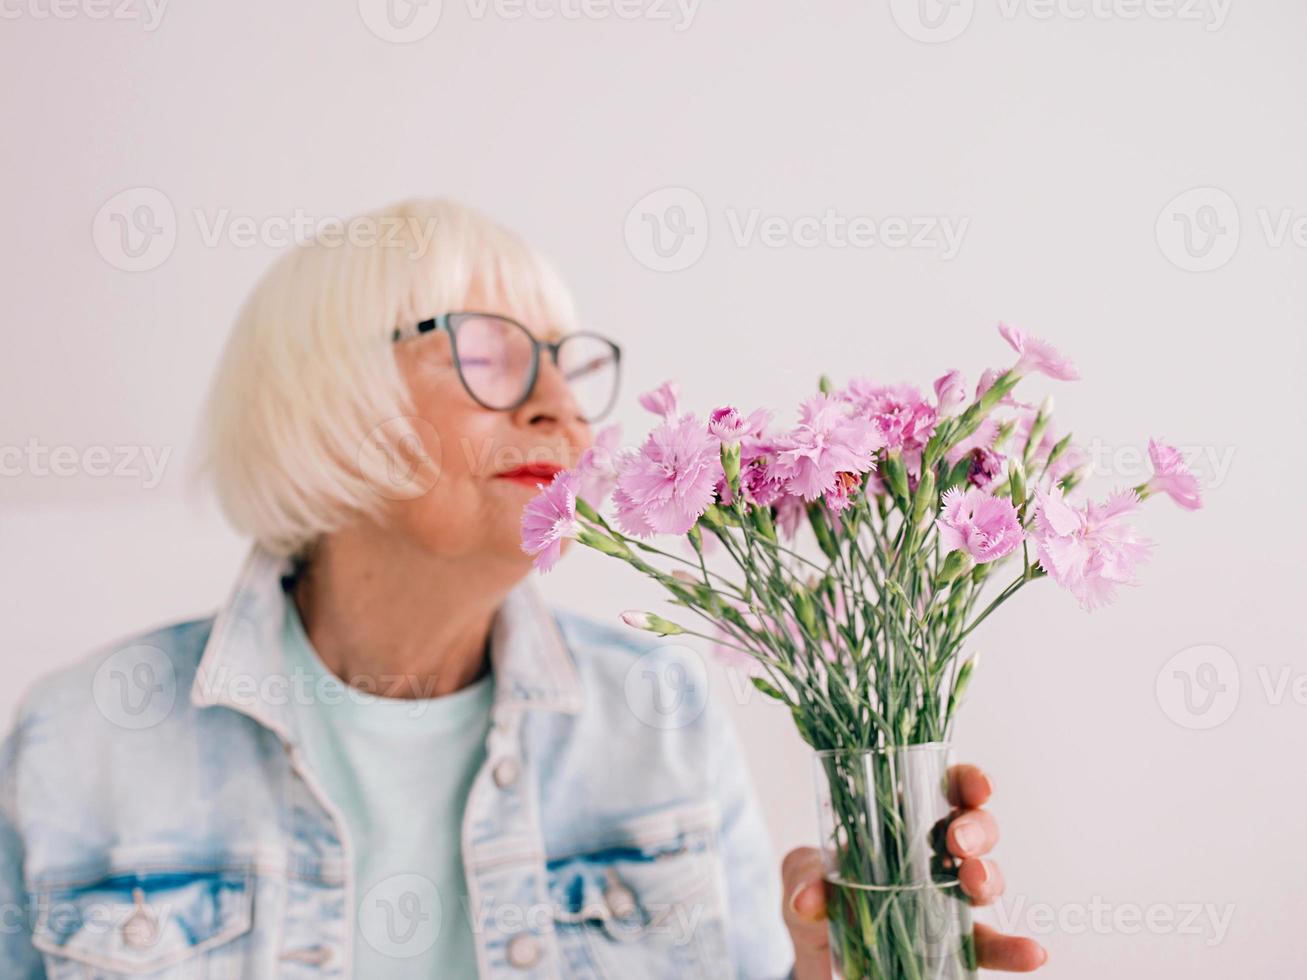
x,y
449,322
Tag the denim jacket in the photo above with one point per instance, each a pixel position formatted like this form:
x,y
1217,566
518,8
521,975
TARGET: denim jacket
x,y
158,818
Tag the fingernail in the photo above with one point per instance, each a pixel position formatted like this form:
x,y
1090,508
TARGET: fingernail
x,y
1045,959
810,914
794,897
984,873
968,837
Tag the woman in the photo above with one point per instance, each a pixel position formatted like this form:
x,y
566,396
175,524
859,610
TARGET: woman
x,y
384,756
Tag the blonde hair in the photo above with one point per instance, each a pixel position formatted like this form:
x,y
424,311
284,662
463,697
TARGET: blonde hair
x,y
308,373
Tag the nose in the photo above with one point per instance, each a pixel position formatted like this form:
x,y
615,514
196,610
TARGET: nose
x,y
551,405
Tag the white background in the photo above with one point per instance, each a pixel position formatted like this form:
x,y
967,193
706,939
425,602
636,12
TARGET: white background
x,y
1057,135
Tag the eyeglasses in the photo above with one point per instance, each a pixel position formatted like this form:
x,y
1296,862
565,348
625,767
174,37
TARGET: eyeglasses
x,y
498,361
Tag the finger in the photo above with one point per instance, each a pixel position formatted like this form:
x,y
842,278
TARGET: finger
x,y
972,833
1012,954
968,786
981,880
805,913
804,884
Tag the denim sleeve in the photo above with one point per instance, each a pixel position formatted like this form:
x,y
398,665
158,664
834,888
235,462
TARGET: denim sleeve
x,y
761,943
19,960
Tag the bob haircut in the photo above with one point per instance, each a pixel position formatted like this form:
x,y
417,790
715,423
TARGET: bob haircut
x,y
308,377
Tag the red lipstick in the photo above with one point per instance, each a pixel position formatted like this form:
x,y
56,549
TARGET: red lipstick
x,y
531,474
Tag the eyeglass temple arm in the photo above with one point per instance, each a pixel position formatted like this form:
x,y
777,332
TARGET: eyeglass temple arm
x,y
426,326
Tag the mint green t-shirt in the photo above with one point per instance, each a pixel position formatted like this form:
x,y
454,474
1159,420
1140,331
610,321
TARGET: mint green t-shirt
x,y
399,771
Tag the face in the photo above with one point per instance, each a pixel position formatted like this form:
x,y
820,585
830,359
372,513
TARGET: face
x,y
474,509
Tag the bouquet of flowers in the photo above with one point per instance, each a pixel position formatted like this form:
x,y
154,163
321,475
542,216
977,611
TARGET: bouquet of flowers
x,y
850,557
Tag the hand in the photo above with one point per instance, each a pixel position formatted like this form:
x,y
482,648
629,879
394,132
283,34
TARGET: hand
x,y
972,833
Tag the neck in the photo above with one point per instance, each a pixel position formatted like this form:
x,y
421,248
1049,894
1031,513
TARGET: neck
x,y
394,620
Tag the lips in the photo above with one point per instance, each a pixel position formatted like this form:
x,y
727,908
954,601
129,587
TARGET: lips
x,y
531,474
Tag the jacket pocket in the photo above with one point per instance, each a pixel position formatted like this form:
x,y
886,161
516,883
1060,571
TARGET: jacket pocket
x,y
163,925
646,901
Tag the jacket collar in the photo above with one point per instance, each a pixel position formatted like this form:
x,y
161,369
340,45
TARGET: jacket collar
x,y
242,667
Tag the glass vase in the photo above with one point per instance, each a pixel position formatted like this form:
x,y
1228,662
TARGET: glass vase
x,y
894,905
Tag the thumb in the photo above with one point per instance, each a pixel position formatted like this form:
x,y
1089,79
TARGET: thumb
x,y
804,897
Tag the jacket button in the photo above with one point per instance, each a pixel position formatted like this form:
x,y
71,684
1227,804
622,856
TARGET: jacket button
x,y
505,772
141,928
620,901
523,951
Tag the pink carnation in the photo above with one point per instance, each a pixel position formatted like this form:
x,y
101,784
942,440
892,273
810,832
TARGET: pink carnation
x,y
950,393
904,419
1037,355
986,467
1090,550
1172,476
597,467
826,441
662,400
729,426
549,519
667,484
984,526
982,438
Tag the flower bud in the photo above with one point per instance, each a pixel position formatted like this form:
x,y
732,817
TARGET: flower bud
x,y
696,538
923,504
1037,429
714,516
1058,449
804,608
896,475
731,466
825,539
960,684
650,623
1017,482
957,563
602,542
